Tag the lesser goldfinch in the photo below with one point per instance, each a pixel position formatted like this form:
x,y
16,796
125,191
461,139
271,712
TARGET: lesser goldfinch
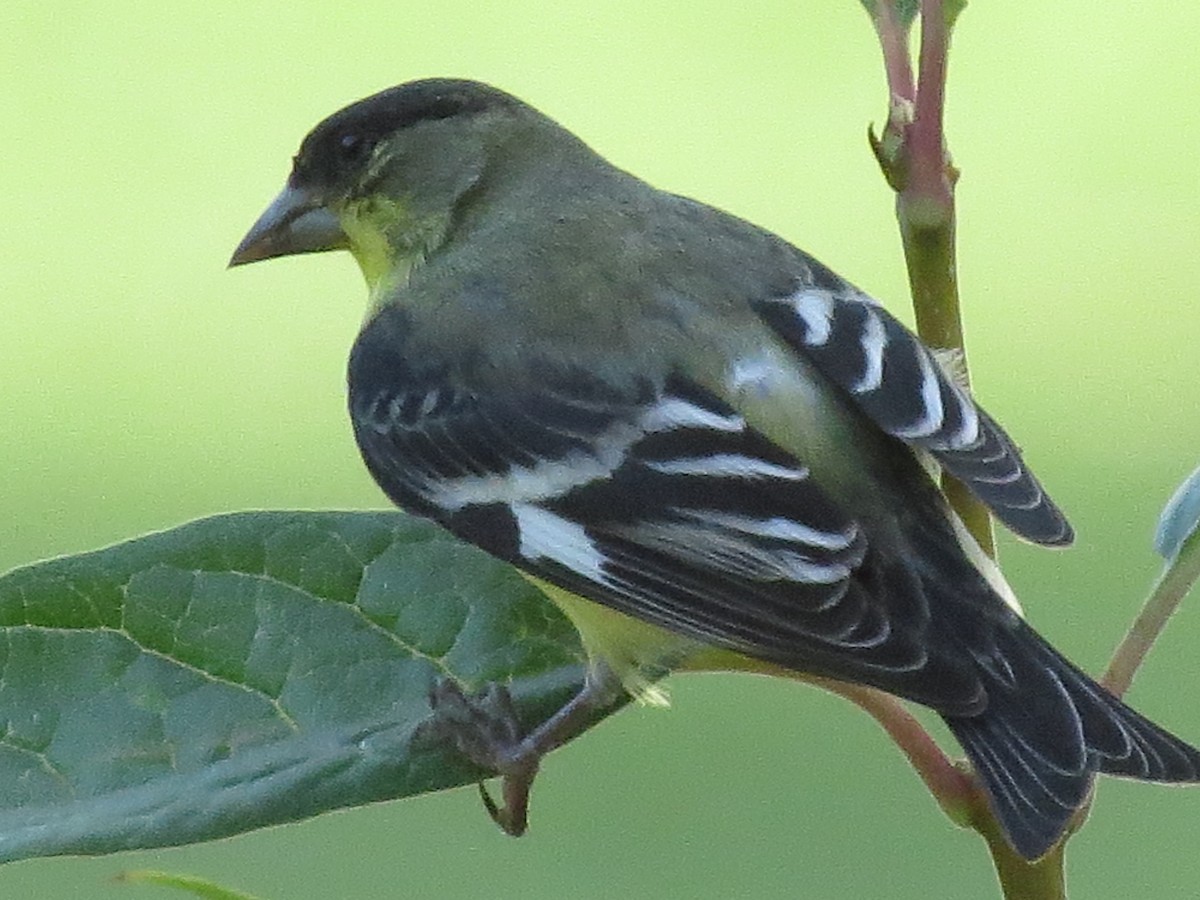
x,y
708,448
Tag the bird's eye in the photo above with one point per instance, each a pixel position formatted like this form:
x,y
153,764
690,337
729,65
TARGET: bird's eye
x,y
351,145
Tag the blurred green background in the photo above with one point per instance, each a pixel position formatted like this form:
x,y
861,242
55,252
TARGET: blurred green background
x,y
142,385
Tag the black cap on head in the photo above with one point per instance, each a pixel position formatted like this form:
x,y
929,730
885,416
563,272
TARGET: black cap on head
x,y
347,136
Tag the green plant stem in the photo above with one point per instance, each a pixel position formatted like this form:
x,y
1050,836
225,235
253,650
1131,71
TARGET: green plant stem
x,y
927,230
925,210
958,794
1176,580
913,157
912,154
1043,879
1174,583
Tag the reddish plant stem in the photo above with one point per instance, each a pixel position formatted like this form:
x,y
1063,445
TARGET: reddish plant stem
x,y
929,178
952,788
893,38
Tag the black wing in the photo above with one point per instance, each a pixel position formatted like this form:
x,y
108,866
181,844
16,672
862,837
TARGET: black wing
x,y
896,380
662,503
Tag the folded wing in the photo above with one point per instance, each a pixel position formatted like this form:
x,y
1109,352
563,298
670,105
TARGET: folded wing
x,y
894,378
664,504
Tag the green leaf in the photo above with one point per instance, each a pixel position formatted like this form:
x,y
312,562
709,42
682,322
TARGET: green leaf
x,y
951,10
905,11
248,670
199,887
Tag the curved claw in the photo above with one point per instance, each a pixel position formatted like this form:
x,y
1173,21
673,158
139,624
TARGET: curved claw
x,y
484,727
513,816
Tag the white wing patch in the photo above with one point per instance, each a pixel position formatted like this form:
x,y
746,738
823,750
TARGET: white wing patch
x,y
930,420
730,553
728,465
546,479
874,341
815,307
781,529
549,478
902,386
544,535
674,412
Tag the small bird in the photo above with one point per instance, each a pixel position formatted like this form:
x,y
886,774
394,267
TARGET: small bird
x,y
710,451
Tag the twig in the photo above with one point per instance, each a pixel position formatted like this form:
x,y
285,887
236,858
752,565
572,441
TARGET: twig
x,y
1166,595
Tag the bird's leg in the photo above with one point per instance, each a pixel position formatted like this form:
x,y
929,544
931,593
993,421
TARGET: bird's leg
x,y
485,728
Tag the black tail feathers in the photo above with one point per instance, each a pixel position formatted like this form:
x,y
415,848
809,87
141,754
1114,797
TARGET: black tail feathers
x,y
1047,728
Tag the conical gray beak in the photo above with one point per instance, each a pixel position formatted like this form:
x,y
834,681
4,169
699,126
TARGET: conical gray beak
x,y
295,222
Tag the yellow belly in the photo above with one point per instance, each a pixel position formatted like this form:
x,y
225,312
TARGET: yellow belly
x,y
639,653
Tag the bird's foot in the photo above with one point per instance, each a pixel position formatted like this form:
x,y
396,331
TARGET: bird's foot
x,y
484,728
